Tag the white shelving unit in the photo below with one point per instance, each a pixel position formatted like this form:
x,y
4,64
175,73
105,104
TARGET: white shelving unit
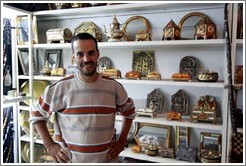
x,y
211,54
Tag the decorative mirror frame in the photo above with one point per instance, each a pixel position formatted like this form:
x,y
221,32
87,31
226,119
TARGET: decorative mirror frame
x,y
139,57
155,100
24,61
192,14
141,18
57,58
190,65
158,131
182,136
179,102
209,141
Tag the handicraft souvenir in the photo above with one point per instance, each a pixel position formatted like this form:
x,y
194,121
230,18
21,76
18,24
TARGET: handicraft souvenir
x,y
39,150
58,72
38,88
112,73
205,29
152,150
167,153
187,24
143,62
115,33
182,136
133,75
181,77
205,109
131,133
23,55
137,28
152,136
207,76
59,35
189,65
210,147
172,115
89,27
153,104
136,149
171,31
103,63
46,70
186,153
239,74
179,106
154,76
179,102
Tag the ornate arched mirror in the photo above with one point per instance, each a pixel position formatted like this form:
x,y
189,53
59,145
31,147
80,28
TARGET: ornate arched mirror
x,y
134,25
187,24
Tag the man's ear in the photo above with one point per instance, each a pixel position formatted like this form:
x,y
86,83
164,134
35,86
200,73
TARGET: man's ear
x,y
98,54
72,59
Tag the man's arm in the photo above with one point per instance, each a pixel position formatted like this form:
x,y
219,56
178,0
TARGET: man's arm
x,y
53,148
120,144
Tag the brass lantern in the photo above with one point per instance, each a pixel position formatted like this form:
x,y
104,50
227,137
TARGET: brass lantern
x,y
205,29
171,31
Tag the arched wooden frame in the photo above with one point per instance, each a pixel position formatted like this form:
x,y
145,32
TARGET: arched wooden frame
x,y
143,19
192,14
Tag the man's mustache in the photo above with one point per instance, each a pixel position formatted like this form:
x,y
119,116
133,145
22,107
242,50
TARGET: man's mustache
x,y
87,63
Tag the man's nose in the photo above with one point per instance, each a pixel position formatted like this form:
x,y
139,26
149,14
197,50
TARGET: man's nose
x,y
86,58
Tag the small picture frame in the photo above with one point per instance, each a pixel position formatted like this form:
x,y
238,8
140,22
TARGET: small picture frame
x,y
22,30
53,57
182,136
149,134
210,141
23,55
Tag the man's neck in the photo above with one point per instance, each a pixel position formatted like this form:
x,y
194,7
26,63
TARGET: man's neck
x,y
89,79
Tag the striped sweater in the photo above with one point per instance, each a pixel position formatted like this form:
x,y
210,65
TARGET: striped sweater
x,y
85,113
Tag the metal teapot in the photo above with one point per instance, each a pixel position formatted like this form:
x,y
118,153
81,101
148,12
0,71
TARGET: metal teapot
x,y
115,34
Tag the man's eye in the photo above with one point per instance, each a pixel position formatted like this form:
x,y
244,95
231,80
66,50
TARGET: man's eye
x,y
79,54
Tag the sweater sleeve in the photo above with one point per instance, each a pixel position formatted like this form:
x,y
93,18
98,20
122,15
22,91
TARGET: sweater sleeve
x,y
40,109
125,104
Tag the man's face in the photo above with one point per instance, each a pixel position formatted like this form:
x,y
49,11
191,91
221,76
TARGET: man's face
x,y
85,56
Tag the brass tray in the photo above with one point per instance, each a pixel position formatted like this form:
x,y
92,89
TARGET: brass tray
x,y
39,151
38,89
132,131
24,123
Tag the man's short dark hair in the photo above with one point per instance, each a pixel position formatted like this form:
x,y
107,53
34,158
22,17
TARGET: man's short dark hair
x,y
83,36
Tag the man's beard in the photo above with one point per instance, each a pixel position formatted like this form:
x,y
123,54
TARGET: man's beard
x,y
86,72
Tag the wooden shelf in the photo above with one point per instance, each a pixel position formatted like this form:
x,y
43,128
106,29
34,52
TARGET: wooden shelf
x,y
161,119
141,44
141,156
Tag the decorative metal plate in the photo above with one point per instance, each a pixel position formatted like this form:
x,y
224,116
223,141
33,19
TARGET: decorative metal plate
x,y
189,65
143,62
132,131
38,89
103,63
180,102
39,150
